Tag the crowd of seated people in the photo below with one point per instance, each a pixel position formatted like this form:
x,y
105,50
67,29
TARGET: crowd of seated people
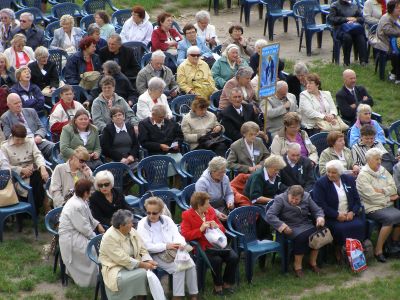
x,y
127,115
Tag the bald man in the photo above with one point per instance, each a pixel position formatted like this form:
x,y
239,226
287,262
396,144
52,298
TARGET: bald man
x,y
350,96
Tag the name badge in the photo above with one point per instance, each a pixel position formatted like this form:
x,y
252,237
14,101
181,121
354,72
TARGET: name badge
x,y
308,142
43,72
256,152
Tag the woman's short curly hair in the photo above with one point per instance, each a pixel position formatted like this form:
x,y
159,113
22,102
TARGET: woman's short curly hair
x,y
86,42
291,118
200,102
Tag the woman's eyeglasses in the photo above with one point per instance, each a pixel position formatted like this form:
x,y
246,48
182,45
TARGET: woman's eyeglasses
x,y
153,213
82,161
103,185
195,55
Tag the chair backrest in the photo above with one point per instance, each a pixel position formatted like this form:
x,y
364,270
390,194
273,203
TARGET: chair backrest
x,y
93,248
80,94
57,11
49,30
119,17
214,98
166,196
118,170
217,49
155,170
51,220
394,131
37,13
181,105
145,60
5,4
55,154
243,219
319,141
272,5
91,6
86,21
187,194
305,10
195,162
58,56
174,25
139,48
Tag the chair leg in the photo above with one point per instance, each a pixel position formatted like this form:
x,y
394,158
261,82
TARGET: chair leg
x,y
271,24
96,292
216,7
247,9
249,267
301,39
265,24
56,256
319,38
308,42
285,24
209,5
241,13
229,3
260,11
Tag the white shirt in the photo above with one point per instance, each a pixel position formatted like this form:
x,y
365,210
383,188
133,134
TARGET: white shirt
x,y
239,110
84,136
343,205
123,128
145,105
208,33
250,149
292,164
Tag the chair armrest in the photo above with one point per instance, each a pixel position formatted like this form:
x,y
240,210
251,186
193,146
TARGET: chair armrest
x,y
26,187
182,205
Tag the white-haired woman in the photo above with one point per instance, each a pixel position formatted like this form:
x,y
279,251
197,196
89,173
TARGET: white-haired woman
x,y
227,66
364,112
215,182
106,200
154,95
205,30
8,23
378,192
337,195
297,81
162,239
18,54
67,37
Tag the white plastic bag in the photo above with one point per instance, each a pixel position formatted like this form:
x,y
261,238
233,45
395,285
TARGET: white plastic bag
x,y
216,237
155,286
183,261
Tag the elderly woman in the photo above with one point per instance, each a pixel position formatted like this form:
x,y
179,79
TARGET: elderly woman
x,y
94,32
290,215
337,151
27,161
106,200
215,183
124,271
195,221
67,37
291,133
161,236
118,141
44,72
378,193
237,38
30,93
7,73
108,98
138,28
154,95
364,112
336,194
67,174
226,67
64,110
373,11
102,19
205,30
194,75
297,81
316,105
348,22
83,61
8,23
75,230
164,37
198,123
79,132
19,54
247,154
241,80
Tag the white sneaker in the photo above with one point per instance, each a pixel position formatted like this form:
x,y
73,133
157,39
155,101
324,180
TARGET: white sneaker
x,y
397,82
392,76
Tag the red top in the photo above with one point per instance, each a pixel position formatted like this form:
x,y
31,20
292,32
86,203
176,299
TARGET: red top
x,y
17,62
190,226
159,37
89,66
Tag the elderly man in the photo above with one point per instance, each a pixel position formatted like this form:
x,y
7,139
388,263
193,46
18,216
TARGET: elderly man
x,y
298,170
34,35
350,96
158,134
121,54
194,75
236,114
156,68
278,106
30,119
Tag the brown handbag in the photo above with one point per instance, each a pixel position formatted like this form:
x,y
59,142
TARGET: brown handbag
x,y
8,196
320,238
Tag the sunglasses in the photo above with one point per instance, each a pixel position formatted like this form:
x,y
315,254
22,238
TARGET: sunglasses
x,y
103,185
195,55
23,21
152,213
82,161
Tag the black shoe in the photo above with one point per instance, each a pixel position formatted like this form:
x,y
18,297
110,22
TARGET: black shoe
x,y
228,291
380,257
218,293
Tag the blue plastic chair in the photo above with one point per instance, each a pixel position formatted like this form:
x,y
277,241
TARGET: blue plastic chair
x,y
275,12
29,4
57,56
214,101
39,17
90,7
174,25
166,196
20,207
13,4
152,173
49,30
319,141
193,164
57,11
55,2
120,170
306,10
55,155
145,60
394,133
180,106
245,6
242,223
140,49
86,21
119,18
92,251
184,199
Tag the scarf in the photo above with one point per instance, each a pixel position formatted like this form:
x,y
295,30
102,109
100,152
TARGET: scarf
x,y
359,125
65,106
383,6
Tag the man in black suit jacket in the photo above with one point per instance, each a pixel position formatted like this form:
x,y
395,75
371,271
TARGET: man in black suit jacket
x,y
350,96
237,113
121,54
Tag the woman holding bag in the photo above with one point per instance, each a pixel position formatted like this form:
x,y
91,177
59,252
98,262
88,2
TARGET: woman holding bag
x,y
195,222
8,195
162,239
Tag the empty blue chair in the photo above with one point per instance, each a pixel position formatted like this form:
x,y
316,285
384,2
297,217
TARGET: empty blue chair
x,y
184,199
306,10
275,12
58,56
120,171
92,251
319,141
19,208
90,7
119,17
49,30
57,11
166,196
39,17
139,48
13,4
245,6
242,223
214,101
180,106
86,21
145,60
193,164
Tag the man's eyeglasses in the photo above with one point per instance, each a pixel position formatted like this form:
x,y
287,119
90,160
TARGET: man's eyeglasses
x,y
103,185
153,213
23,21
195,55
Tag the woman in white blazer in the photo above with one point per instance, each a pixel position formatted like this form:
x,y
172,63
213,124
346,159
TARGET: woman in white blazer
x,y
67,37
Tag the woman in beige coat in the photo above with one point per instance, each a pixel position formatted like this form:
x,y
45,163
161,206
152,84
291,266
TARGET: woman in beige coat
x,y
124,259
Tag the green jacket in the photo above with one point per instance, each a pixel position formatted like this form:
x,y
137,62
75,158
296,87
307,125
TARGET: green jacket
x,y
222,71
257,187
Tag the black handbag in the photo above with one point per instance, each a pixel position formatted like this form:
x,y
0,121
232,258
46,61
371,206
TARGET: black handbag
x,y
210,140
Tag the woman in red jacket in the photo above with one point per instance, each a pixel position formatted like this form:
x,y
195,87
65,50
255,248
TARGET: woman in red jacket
x,y
164,37
195,221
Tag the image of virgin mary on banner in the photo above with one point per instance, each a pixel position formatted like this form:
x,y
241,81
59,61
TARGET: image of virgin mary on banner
x,y
268,70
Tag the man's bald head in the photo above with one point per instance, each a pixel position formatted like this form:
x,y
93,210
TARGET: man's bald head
x,y
14,103
349,78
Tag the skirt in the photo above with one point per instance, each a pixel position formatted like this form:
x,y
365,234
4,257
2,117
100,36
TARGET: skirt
x,y
131,283
354,229
386,216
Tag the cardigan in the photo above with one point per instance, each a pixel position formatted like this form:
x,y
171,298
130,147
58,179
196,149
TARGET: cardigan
x,y
222,71
329,154
301,174
10,54
145,104
49,79
159,37
125,58
257,186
